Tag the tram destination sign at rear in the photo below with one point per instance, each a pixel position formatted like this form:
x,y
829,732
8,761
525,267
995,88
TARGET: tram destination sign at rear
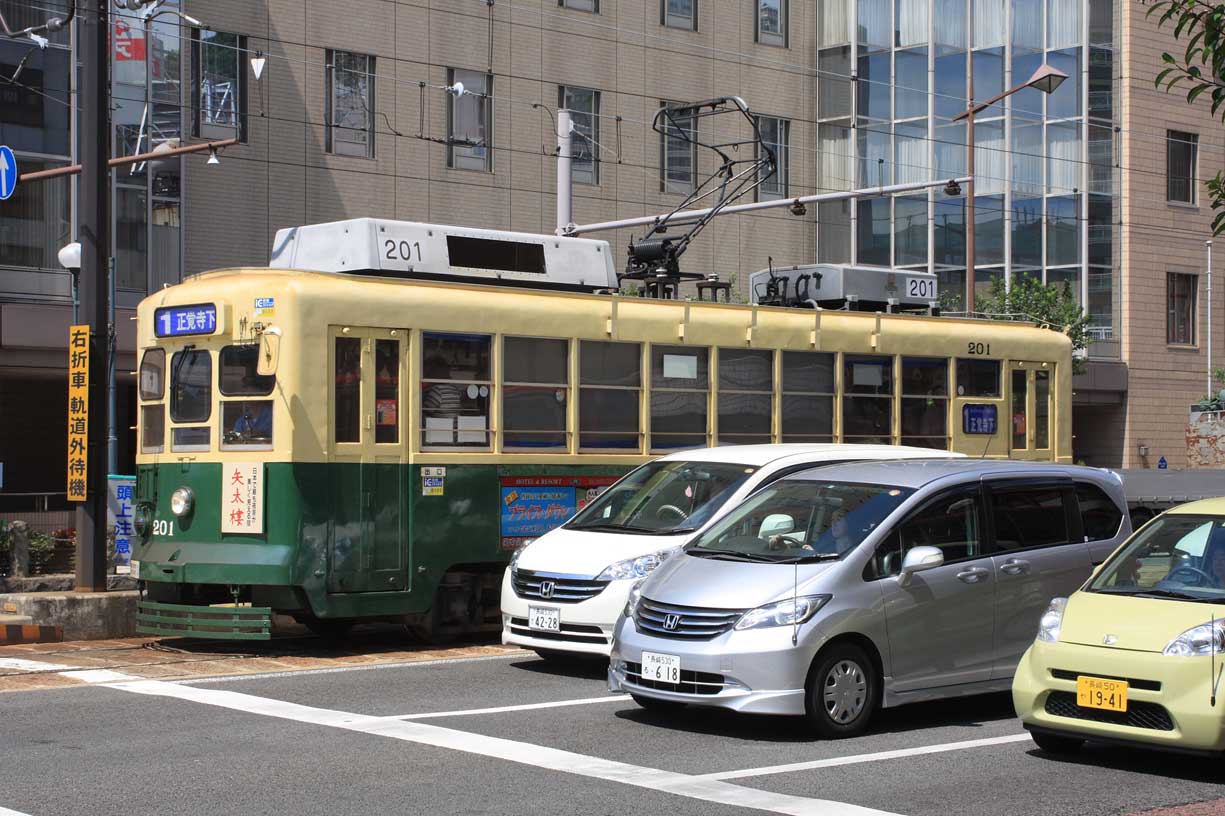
x,y
174,321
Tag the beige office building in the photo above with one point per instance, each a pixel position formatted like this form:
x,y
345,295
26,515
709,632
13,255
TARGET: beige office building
x,y
1099,184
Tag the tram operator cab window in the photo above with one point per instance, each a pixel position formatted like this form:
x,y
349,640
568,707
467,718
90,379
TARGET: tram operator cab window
x,y
456,390
245,423
191,398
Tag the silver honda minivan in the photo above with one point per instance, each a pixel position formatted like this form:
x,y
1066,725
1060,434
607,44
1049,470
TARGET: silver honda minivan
x,y
843,589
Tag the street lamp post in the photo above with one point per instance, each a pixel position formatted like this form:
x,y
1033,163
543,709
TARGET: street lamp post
x,y
1045,79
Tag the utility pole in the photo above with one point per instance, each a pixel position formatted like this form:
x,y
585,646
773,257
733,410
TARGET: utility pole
x,y
95,220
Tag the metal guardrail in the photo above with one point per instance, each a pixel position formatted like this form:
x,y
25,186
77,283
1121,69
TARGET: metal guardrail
x,y
214,622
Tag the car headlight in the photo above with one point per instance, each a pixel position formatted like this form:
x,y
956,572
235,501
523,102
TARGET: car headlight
x,y
639,567
1052,620
514,559
787,612
631,600
182,501
1205,639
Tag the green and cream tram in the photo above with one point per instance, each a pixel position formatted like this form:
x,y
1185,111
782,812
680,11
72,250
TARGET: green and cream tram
x,y
372,439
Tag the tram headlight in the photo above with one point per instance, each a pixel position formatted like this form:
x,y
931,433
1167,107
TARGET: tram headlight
x,y
182,501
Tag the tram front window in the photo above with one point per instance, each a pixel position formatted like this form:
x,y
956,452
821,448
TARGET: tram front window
x,y
246,423
191,385
663,498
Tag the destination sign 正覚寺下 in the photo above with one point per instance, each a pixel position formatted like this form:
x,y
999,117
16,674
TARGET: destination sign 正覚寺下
x,y
173,321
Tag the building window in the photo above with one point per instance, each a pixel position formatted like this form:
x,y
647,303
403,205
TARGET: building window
x,y
350,104
774,135
679,14
218,84
469,121
581,5
584,107
771,22
1182,151
1180,312
678,152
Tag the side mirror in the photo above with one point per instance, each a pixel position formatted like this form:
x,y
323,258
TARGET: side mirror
x,y
918,560
269,352
776,524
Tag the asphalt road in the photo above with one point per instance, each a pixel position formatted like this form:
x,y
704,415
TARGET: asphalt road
x,y
515,735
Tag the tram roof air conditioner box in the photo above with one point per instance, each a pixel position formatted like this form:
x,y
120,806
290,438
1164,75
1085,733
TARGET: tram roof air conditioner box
x,y
377,247
830,285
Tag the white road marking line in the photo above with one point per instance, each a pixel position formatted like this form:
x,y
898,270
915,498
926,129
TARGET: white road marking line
x,y
6,812
31,665
97,676
694,787
500,709
407,664
834,762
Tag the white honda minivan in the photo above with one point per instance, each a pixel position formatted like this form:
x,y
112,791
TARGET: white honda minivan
x,y
563,592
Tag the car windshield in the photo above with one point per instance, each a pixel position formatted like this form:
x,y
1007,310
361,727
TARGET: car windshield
x,y
799,521
662,498
1177,556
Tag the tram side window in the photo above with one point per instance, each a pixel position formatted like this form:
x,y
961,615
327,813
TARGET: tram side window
x,y
978,378
191,386
246,424
237,375
535,382
680,383
925,399
153,387
456,389
152,374
867,398
610,385
386,391
808,396
348,397
746,395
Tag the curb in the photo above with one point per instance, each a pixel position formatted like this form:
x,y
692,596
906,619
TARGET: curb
x,y
23,633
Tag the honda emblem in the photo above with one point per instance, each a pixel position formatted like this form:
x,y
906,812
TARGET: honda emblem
x,y
546,589
671,622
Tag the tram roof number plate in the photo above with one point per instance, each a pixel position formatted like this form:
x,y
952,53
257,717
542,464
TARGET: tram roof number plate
x,y
978,419
173,321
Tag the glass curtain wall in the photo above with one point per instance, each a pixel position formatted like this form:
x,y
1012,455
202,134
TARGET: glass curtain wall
x,y
892,74
147,74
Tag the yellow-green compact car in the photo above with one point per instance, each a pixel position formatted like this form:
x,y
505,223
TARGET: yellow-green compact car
x,y
1136,655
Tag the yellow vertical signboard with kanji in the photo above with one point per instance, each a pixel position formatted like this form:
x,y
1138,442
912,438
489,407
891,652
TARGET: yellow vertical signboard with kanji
x,y
78,411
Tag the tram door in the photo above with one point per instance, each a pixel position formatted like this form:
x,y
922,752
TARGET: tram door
x,y
1031,409
368,537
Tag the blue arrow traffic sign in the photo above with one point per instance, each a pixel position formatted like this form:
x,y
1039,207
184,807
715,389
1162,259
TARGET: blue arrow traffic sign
x,y
8,172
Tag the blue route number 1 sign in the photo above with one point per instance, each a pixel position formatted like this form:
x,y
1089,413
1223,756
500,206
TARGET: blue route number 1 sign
x,y
8,172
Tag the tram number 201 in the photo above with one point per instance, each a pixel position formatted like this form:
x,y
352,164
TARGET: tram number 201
x,y
162,527
978,348
921,288
402,250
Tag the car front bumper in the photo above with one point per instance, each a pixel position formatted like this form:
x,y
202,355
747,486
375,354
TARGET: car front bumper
x,y
1168,697
586,626
755,671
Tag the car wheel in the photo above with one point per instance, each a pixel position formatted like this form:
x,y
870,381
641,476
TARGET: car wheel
x,y
654,704
843,692
1055,744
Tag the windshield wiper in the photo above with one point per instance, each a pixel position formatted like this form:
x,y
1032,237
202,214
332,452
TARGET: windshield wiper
x,y
730,555
1165,593
615,528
